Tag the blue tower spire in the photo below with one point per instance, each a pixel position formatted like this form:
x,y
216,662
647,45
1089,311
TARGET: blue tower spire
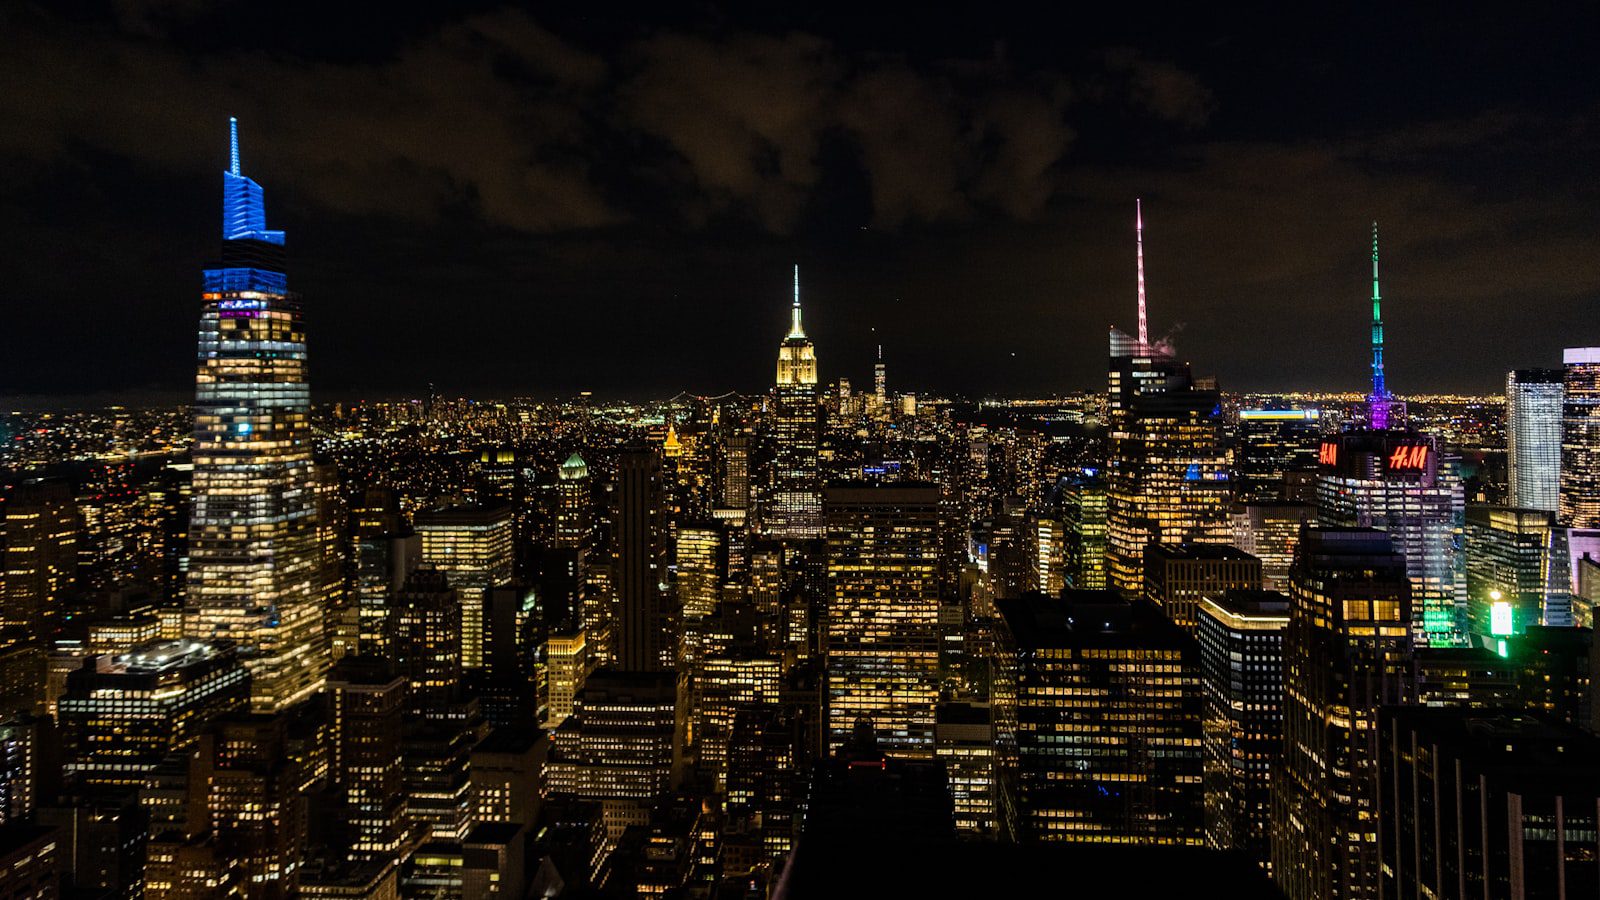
x,y
244,205
1378,402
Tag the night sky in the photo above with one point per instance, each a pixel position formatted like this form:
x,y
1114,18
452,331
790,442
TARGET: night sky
x,y
501,200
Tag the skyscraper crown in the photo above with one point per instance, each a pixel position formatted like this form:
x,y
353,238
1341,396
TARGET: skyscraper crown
x,y
244,206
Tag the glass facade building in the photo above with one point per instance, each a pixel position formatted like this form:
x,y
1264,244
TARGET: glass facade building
x,y
1533,438
255,565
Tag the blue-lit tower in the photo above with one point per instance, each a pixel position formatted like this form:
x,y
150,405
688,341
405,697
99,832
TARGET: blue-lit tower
x,y
254,559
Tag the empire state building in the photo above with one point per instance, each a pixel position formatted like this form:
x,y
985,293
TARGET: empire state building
x,y
254,561
794,508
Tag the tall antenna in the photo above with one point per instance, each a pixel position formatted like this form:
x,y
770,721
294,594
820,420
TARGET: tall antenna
x,y
794,324
1378,403
233,141
1138,229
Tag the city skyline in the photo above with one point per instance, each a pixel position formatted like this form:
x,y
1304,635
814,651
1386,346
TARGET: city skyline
x,y
1253,221
920,611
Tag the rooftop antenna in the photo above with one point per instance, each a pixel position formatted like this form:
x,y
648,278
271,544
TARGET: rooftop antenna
x,y
1138,229
233,141
794,325
1378,403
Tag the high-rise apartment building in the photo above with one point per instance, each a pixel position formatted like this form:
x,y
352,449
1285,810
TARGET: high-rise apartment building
x,y
1533,438
255,564
1241,673
881,615
1347,651
366,699
617,747
1578,503
794,506
424,640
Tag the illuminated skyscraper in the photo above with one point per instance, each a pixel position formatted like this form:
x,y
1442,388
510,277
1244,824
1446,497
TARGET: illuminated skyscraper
x,y
702,568
1395,481
1389,477
1083,519
255,574
575,504
794,507
1346,651
1168,470
1176,577
881,615
123,714
1533,438
424,638
366,699
1579,502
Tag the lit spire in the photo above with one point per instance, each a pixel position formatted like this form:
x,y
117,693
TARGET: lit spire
x,y
1378,403
795,331
1138,230
233,142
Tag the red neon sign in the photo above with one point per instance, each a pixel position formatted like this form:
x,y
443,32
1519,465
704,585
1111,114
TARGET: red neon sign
x,y
1409,457
1329,455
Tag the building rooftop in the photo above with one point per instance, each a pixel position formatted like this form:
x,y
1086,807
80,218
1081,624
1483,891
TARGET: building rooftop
x,y
1193,551
162,656
1083,618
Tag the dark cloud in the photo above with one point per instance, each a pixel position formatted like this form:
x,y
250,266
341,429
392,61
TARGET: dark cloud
x,y
608,197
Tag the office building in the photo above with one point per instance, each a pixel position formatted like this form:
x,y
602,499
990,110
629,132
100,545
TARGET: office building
x,y
424,639
881,615
1167,475
1269,531
618,746
1273,446
1241,674
642,632
1082,497
1533,438
964,741
121,715
1347,651
255,575
1517,571
1398,482
1105,719
366,700
1178,576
